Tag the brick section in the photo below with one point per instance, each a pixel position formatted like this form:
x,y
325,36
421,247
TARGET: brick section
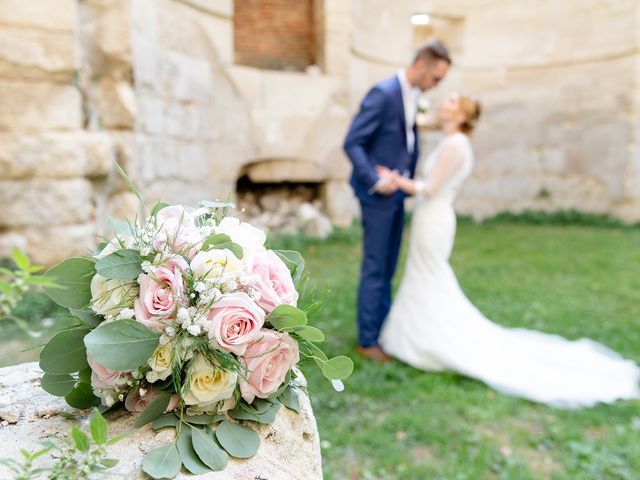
x,y
274,34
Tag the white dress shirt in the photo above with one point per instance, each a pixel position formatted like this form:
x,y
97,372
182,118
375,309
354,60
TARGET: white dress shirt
x,y
410,101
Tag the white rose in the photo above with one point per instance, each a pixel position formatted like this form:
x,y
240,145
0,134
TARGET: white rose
x,y
160,363
216,264
109,297
250,238
207,385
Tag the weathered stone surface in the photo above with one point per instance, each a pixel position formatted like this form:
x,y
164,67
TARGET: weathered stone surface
x,y
48,244
341,204
41,202
38,54
290,447
28,106
45,14
55,155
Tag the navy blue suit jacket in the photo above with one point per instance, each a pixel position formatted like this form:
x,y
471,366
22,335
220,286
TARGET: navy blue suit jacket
x,y
377,136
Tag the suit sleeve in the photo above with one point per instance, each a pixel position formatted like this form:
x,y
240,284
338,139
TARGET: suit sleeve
x,y
363,128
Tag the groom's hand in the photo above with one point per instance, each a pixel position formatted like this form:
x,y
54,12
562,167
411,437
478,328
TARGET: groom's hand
x,y
387,185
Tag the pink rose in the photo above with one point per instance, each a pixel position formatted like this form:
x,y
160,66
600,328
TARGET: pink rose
x,y
274,280
267,362
135,403
101,376
161,292
235,322
177,231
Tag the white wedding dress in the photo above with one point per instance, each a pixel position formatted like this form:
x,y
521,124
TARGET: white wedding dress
x,y
433,326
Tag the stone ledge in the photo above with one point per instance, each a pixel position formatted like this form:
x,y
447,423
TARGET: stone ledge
x,y
290,448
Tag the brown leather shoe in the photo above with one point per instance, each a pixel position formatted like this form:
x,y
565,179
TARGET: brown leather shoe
x,y
373,353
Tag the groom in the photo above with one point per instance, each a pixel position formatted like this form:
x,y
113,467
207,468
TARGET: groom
x,y
384,133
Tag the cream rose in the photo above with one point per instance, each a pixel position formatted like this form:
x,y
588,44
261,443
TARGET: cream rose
x,y
160,363
207,385
109,297
216,264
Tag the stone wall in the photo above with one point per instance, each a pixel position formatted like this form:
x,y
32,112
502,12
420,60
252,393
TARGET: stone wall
x,y
156,85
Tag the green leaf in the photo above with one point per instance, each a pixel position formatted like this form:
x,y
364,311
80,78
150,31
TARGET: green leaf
x,y
82,396
167,420
267,417
58,385
202,419
20,259
163,462
239,441
307,332
293,261
338,368
73,279
222,241
287,316
99,428
157,207
109,462
131,185
85,375
80,439
117,438
121,228
156,407
188,455
65,352
120,265
122,345
40,281
290,399
208,451
88,317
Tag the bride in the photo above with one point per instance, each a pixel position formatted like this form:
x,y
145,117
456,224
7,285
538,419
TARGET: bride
x,y
433,326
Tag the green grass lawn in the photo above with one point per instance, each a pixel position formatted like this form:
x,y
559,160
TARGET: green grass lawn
x,y
395,422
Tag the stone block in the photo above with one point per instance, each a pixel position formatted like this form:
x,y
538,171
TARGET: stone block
x,y
55,155
58,15
37,54
290,447
115,103
340,203
28,106
45,202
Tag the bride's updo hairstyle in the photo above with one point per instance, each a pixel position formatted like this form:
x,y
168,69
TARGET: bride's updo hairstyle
x,y
471,109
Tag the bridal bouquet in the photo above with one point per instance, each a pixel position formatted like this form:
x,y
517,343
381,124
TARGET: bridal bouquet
x,y
187,318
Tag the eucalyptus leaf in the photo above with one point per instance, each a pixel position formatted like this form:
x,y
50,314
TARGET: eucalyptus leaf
x,y
309,333
166,420
286,316
233,247
122,345
58,385
120,265
201,419
189,457
65,352
290,399
88,317
156,407
208,451
267,417
293,261
163,462
85,375
73,282
216,239
98,428
109,462
338,368
82,396
238,440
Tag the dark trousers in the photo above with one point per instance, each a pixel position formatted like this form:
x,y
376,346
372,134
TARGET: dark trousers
x,y
382,231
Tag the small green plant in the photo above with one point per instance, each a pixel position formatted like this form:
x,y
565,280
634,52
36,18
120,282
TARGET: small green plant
x,y
79,457
15,283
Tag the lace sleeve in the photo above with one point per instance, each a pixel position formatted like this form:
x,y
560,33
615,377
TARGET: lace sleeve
x,y
448,162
